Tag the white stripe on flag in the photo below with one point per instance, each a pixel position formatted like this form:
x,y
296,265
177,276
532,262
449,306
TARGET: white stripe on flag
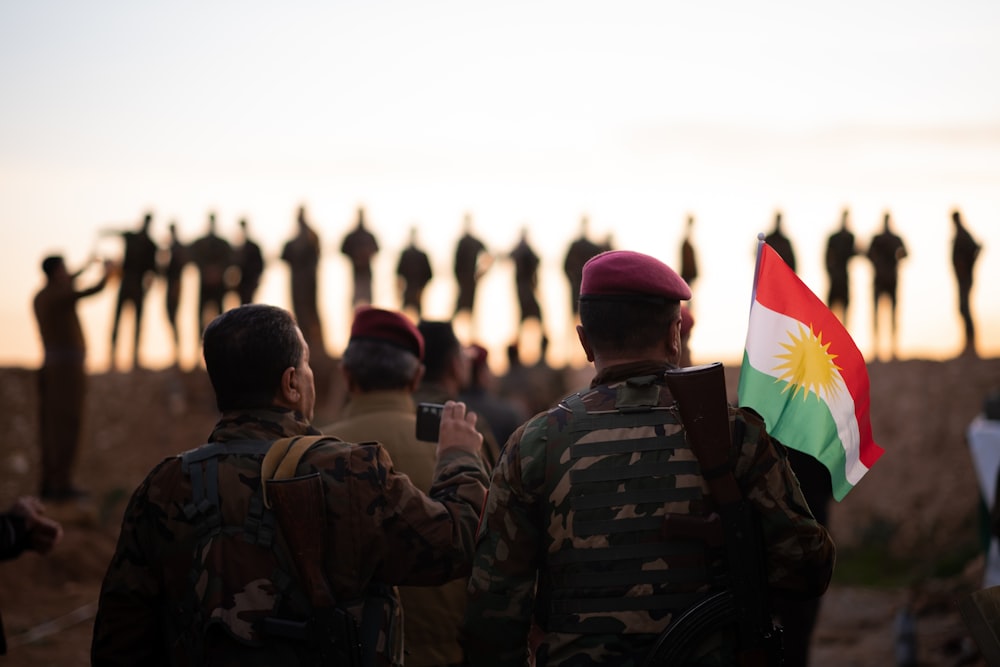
x,y
768,329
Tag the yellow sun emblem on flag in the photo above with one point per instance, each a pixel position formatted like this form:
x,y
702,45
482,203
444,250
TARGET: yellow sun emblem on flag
x,y
808,365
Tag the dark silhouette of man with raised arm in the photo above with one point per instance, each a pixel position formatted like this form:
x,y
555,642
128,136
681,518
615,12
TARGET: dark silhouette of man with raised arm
x,y
138,269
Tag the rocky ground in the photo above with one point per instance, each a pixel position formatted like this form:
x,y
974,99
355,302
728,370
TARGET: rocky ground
x,y
907,535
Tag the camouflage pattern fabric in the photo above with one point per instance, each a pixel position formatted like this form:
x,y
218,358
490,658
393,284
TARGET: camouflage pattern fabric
x,y
381,532
531,527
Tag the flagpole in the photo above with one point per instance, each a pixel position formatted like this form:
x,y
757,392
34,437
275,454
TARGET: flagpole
x,y
756,267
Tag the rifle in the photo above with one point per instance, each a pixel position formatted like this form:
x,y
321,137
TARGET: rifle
x,y
700,392
300,511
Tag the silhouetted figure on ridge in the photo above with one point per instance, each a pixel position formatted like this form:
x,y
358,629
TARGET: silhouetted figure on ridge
x,y
580,250
178,256
413,272
138,269
213,255
302,253
250,261
781,243
472,260
964,252
526,264
62,379
840,248
689,258
885,252
360,247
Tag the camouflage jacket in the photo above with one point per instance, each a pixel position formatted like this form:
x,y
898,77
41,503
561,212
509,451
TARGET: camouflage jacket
x,y
168,598
577,560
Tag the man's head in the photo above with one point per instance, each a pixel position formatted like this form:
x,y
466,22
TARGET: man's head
x,y
384,352
444,357
257,358
630,308
53,265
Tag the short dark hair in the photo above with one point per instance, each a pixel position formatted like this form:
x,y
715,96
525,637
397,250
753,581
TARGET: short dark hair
x,y
378,366
622,326
441,345
246,350
51,263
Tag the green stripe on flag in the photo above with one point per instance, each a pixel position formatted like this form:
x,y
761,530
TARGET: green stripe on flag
x,y
801,419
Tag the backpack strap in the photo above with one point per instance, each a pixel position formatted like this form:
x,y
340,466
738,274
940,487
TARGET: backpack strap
x,y
282,459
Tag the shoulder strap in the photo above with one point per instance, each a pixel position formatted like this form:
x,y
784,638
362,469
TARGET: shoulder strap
x,y
282,459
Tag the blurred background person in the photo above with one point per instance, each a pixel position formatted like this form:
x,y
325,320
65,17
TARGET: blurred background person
x,y
62,380
413,272
138,269
580,250
302,253
177,257
360,247
213,255
472,260
782,245
250,262
482,397
886,251
840,248
964,252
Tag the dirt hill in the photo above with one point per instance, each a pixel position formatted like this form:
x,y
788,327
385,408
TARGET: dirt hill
x,y
909,531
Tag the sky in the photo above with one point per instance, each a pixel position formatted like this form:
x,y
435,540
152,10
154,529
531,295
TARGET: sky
x,y
524,115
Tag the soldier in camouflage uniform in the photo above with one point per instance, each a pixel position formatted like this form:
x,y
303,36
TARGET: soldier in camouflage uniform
x,y
572,563
201,572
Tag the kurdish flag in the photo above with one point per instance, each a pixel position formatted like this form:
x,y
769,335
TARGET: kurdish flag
x,y
803,373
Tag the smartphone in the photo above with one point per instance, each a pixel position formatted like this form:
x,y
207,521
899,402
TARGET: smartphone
x,y
429,421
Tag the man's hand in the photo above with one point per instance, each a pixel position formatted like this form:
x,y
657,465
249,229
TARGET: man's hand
x,y
43,532
458,429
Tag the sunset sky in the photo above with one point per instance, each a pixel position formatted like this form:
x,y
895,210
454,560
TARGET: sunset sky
x,y
635,114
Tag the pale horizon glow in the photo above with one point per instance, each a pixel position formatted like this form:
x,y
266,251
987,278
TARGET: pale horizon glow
x,y
523,114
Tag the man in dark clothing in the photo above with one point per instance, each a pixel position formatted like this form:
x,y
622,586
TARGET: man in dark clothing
x,y
689,259
885,252
213,566
173,272
360,247
840,248
413,272
964,252
138,268
250,262
781,243
62,378
301,253
213,255
526,263
580,250
472,260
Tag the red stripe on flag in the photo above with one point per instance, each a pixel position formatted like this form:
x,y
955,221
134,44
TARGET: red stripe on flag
x,y
781,290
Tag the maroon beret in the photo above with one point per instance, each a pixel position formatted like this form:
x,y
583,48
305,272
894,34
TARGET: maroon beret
x,y
624,274
388,327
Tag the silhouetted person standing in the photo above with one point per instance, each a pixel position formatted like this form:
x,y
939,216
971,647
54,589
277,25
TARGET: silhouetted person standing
x,y
301,253
62,378
413,272
781,243
526,263
840,248
885,252
138,269
689,259
173,272
472,260
964,251
213,255
250,262
580,250
360,247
